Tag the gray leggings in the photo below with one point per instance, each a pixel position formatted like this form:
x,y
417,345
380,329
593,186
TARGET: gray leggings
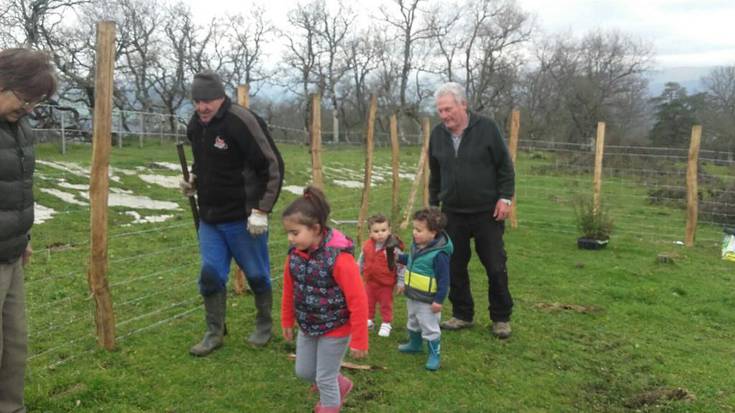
x,y
318,360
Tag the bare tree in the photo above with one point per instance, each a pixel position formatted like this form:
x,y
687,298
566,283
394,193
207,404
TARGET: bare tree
x,y
719,117
302,54
248,38
332,66
592,73
411,30
361,55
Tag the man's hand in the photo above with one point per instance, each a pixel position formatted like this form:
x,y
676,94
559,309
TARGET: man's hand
x,y
358,354
189,189
436,307
257,222
26,258
398,290
502,210
287,334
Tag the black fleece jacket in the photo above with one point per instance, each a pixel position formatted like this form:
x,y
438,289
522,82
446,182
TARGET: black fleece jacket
x,y
480,173
237,164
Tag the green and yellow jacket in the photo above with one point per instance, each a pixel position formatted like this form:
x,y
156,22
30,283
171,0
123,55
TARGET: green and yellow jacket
x,y
427,270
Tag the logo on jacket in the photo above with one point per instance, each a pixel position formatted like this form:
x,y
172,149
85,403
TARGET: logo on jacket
x,y
220,143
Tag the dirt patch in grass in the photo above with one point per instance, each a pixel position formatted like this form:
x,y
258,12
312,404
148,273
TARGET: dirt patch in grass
x,y
556,307
660,396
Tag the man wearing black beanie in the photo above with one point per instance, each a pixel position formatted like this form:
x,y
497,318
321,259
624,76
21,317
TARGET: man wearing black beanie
x,y
237,176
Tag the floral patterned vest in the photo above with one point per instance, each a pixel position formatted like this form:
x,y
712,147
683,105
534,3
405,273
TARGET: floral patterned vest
x,y
319,303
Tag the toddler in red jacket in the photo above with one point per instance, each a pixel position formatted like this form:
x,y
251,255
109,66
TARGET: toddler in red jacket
x,y
380,271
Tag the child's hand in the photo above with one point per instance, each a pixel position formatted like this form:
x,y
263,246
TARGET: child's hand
x,y
358,354
436,307
288,334
399,289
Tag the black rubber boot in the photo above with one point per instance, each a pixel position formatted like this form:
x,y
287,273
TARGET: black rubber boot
x,y
215,307
263,320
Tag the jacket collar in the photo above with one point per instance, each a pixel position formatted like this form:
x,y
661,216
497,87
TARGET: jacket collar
x,y
472,120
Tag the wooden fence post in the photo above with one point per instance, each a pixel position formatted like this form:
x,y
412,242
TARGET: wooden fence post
x,y
63,135
316,141
426,129
692,186
515,126
369,143
142,129
99,184
335,125
239,284
423,159
395,163
120,131
243,95
599,152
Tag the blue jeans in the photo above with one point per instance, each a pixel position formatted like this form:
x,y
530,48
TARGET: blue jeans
x,y
219,243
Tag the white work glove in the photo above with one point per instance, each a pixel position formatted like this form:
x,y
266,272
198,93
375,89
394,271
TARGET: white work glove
x,y
189,189
257,222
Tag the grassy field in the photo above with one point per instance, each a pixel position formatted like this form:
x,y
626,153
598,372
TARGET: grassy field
x,y
594,331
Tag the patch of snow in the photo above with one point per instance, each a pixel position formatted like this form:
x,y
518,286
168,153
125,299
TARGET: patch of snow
x,y
74,169
348,184
161,180
139,219
119,191
70,167
64,196
122,171
138,202
294,189
168,165
42,213
77,187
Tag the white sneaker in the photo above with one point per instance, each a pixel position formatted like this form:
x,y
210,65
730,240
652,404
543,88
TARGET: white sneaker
x,y
385,330
371,325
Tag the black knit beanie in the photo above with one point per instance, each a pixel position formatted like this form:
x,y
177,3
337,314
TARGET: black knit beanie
x,y
207,86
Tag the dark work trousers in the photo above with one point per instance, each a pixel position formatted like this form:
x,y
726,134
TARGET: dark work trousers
x,y
488,234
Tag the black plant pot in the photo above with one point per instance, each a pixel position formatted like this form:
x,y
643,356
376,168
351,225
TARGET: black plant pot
x,y
591,243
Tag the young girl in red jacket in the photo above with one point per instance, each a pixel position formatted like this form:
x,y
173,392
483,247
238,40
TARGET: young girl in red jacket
x,y
380,271
324,295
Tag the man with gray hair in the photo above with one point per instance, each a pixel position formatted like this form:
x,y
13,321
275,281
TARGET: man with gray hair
x,y
472,177
237,175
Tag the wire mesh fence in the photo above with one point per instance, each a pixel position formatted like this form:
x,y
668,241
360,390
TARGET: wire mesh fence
x,y
153,265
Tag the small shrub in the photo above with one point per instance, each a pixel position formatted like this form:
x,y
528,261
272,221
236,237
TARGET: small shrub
x,y
593,224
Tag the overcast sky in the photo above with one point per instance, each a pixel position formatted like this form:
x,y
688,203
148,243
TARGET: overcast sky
x,y
683,32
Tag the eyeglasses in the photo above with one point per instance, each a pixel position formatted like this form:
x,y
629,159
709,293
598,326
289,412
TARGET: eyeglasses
x,y
26,104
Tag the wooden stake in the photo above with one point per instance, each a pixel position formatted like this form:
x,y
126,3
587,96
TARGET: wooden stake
x,y
692,186
99,184
515,126
395,163
599,152
415,187
316,141
426,128
368,167
243,95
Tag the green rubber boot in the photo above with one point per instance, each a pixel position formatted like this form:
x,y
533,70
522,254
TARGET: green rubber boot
x,y
215,306
263,320
432,363
414,345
